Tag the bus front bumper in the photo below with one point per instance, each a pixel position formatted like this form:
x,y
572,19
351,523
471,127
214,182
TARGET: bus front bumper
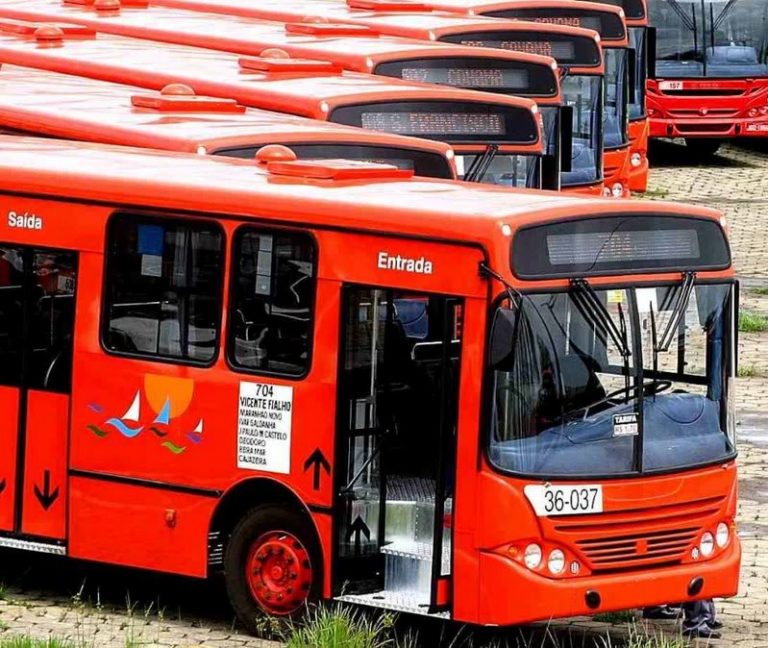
x,y
713,128
513,595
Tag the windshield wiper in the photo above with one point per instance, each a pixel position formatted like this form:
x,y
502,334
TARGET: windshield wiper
x,y
481,164
594,310
681,297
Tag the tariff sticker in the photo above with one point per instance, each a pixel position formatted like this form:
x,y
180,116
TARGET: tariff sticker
x,y
625,425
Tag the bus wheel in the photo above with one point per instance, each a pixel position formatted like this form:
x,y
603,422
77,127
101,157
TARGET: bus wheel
x,y
703,148
272,565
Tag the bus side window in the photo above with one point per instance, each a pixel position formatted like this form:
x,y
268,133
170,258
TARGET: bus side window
x,y
272,298
11,314
163,288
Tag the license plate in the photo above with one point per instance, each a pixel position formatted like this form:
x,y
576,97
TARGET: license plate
x,y
670,85
757,128
565,500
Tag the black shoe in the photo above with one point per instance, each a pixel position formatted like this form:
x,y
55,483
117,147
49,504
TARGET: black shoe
x,y
660,612
702,632
715,625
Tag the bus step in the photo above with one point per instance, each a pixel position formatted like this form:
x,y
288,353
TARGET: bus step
x,y
411,602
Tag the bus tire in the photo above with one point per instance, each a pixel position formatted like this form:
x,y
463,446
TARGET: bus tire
x,y
272,565
703,148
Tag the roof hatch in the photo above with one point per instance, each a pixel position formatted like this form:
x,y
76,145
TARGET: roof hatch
x,y
52,30
177,97
337,170
275,60
329,29
116,4
389,5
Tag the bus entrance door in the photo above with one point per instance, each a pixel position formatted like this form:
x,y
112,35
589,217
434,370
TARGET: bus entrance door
x,y
398,390
37,294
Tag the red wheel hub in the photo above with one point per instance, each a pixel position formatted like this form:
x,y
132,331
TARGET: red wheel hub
x,y
279,572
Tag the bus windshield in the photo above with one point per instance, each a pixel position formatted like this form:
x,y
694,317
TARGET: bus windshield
x,y
422,163
705,38
506,170
637,39
584,94
615,112
584,380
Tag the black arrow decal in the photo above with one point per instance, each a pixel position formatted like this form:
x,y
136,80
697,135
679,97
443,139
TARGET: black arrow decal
x,y
318,460
46,497
358,529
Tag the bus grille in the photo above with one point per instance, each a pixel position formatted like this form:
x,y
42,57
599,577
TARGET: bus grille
x,y
701,92
639,549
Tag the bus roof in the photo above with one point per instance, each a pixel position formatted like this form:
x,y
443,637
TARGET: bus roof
x,y
418,23
382,203
78,108
355,47
634,10
307,88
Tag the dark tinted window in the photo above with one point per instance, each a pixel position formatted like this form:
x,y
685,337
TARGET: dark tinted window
x,y
163,288
11,314
271,303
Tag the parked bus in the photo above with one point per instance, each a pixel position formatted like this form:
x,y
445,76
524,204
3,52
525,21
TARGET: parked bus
x,y
479,402
356,48
474,123
712,71
636,19
576,51
37,102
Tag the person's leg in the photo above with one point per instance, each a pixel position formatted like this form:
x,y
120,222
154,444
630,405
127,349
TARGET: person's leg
x,y
697,616
712,621
662,612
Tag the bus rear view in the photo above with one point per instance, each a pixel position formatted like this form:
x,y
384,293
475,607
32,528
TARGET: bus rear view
x,y
711,71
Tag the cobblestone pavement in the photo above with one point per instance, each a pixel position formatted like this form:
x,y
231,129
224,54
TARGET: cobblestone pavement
x,y
737,184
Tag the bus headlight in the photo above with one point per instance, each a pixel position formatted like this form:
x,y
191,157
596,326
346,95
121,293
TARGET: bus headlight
x,y
752,112
617,190
722,533
532,556
635,159
556,562
707,544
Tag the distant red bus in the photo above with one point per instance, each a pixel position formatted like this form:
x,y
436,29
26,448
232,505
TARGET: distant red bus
x,y
711,80
473,123
356,48
575,51
332,380
38,102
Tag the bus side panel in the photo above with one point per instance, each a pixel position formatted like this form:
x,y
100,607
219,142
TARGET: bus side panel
x,y
139,526
45,469
9,432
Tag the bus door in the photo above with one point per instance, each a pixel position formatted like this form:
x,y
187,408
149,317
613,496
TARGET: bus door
x,y
37,315
398,392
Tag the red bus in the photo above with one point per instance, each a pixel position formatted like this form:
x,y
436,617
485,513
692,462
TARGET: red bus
x,y
356,48
37,102
711,72
474,123
498,392
574,50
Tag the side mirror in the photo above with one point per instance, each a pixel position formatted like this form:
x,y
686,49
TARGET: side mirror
x,y
632,75
503,332
565,118
650,52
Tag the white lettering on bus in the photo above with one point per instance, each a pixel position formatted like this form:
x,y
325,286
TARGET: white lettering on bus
x,y
404,264
24,221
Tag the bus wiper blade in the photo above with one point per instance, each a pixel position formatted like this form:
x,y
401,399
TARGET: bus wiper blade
x,y
683,296
591,306
481,164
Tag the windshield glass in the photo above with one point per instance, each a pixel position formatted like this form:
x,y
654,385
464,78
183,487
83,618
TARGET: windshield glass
x,y
582,387
615,111
584,94
702,38
637,41
520,171
422,163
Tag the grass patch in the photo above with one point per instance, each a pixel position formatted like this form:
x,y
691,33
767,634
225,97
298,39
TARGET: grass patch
x,y
752,322
341,627
747,371
762,292
622,616
661,192
21,641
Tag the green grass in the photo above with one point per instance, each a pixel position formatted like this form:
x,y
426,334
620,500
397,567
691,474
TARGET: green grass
x,y
661,192
752,322
762,292
341,627
21,641
622,616
747,371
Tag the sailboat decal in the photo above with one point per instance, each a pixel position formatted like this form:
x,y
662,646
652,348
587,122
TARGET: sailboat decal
x,y
196,435
165,414
132,414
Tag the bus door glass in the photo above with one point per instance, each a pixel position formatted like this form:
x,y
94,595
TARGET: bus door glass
x,y
398,390
37,314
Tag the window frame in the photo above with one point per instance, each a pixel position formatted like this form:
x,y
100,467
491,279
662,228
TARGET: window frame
x,y
233,261
155,219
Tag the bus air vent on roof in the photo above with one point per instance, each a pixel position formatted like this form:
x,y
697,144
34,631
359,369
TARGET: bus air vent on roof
x,y
116,4
389,5
338,170
177,97
278,61
329,29
55,30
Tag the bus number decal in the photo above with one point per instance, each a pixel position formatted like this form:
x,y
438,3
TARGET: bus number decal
x,y
565,500
264,427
